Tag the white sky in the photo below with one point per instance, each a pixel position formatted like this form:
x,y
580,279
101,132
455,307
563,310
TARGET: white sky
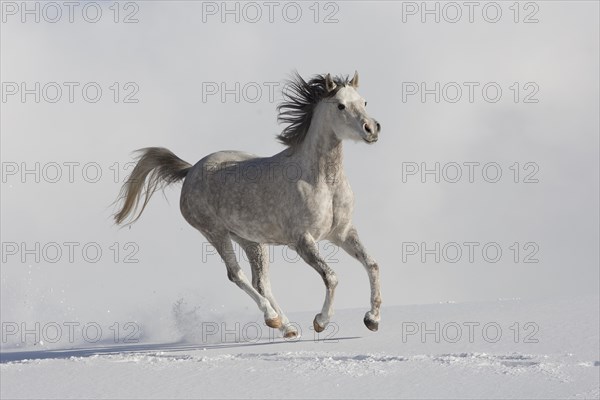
x,y
171,54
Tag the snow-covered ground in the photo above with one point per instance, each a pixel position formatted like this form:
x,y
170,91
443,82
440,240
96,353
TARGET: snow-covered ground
x,y
511,348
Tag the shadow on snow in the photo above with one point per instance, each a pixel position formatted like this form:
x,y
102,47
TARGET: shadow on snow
x,y
16,356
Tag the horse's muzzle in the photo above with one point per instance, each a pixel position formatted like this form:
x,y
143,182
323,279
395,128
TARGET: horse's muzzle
x,y
371,139
371,128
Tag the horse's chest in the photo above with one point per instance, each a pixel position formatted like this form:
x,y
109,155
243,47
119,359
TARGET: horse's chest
x,y
326,209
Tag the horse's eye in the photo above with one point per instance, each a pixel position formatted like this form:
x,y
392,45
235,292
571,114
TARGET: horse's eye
x,y
341,106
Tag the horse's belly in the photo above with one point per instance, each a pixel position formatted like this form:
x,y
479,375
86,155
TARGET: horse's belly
x,y
255,229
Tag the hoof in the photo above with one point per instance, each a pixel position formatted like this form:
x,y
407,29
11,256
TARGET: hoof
x,y
274,323
371,324
291,334
318,328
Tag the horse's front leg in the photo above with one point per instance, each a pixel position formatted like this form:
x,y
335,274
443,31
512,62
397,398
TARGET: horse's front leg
x,y
352,245
308,250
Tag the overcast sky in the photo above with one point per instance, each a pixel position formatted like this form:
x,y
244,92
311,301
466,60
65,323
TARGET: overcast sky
x,y
167,71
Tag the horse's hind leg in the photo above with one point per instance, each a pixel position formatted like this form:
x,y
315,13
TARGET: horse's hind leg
x,y
235,274
258,255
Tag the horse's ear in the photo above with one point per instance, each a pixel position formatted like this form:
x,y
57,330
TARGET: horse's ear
x,y
354,81
329,83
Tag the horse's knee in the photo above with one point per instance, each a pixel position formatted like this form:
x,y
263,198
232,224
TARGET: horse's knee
x,y
331,280
373,271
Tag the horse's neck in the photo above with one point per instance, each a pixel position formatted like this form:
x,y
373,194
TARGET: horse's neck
x,y
321,153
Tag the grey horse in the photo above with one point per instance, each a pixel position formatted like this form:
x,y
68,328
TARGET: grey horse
x,y
296,197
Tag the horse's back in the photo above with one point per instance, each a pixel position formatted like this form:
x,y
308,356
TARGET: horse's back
x,y
225,156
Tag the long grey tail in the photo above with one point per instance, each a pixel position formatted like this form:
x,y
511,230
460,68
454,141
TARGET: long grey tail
x,y
156,168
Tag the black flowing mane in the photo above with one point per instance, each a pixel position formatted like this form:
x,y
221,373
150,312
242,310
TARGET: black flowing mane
x,y
300,99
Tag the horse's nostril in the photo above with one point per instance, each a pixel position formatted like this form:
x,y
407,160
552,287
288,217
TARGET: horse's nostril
x,y
378,127
366,128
